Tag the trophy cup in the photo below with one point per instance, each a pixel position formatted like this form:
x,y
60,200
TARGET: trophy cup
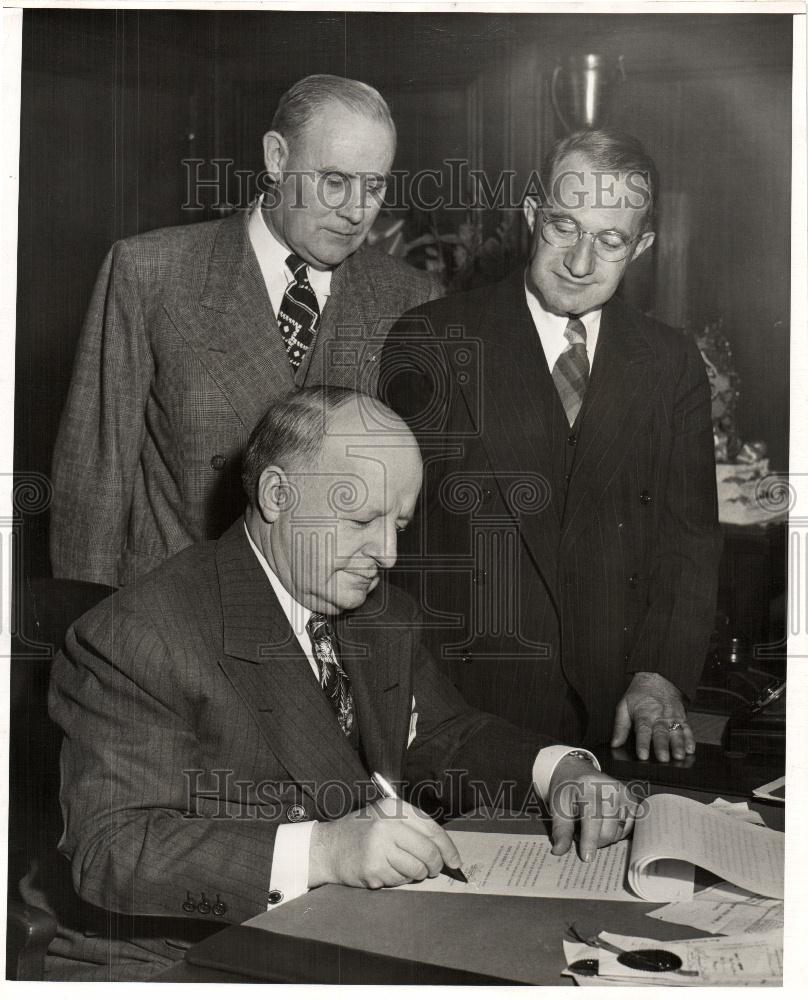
x,y
582,89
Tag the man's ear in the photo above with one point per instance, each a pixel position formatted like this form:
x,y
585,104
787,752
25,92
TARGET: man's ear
x,y
276,153
275,493
531,209
646,240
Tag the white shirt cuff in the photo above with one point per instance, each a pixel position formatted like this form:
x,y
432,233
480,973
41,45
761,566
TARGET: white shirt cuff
x,y
545,764
289,877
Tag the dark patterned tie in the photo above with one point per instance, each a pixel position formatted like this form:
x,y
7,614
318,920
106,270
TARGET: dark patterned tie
x,y
299,313
571,371
333,679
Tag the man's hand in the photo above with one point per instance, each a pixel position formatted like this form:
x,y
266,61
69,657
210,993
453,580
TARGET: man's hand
x,y
389,843
653,706
602,805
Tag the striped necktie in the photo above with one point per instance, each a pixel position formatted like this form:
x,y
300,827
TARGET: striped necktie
x,y
571,371
333,679
299,313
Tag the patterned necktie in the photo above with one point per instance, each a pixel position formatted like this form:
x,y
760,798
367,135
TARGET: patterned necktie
x,y
571,371
333,679
299,313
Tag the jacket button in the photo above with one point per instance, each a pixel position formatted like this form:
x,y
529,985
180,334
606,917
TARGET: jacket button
x,y
572,439
479,578
219,908
218,462
634,579
203,905
645,497
274,896
190,903
465,656
296,813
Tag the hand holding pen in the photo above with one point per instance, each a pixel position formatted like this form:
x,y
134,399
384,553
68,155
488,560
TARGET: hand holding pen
x,y
387,790
390,844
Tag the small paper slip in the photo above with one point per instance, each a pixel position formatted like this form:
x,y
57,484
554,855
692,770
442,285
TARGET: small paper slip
x,y
738,810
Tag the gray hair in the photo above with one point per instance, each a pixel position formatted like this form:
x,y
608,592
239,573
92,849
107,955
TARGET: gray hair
x,y
306,98
293,427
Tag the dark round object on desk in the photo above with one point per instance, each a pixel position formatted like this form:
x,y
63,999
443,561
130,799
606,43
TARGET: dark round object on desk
x,y
584,967
650,960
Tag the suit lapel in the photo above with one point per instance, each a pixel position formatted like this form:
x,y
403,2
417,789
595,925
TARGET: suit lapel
x,y
232,329
520,422
265,664
344,323
621,391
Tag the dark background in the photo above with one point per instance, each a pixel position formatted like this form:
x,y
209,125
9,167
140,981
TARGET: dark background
x,y
114,101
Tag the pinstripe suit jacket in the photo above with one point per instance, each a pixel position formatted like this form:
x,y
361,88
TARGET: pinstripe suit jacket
x,y
538,582
179,356
193,722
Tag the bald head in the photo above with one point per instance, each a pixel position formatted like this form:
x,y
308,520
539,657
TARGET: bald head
x,y
328,502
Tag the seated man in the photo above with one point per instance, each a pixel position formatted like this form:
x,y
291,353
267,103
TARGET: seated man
x,y
222,716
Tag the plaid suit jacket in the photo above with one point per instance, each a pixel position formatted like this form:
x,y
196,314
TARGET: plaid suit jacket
x,y
179,356
561,560
193,722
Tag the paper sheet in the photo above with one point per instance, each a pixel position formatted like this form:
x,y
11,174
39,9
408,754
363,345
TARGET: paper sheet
x,y
676,831
513,865
738,810
724,909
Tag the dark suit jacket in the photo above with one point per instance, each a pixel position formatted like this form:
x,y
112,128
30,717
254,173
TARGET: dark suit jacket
x,y
538,583
179,357
193,722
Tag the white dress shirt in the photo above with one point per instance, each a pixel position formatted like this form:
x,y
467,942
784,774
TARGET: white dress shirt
x,y
551,327
290,858
272,254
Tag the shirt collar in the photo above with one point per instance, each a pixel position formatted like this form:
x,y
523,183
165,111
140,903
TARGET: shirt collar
x,y
551,327
272,254
296,614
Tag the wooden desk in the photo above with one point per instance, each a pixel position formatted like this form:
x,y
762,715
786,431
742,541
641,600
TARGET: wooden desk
x,y
339,935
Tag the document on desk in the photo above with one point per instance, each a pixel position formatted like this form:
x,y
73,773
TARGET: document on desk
x,y
672,836
513,865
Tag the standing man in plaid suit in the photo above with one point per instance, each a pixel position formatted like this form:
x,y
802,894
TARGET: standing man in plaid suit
x,y
193,330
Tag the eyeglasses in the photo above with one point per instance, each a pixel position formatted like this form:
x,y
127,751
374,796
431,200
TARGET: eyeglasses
x,y
562,231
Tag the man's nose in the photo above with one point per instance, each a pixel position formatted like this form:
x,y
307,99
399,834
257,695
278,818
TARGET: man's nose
x,y
580,259
353,207
384,547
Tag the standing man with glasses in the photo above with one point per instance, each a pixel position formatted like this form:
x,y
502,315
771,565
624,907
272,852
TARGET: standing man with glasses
x,y
568,542
192,331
